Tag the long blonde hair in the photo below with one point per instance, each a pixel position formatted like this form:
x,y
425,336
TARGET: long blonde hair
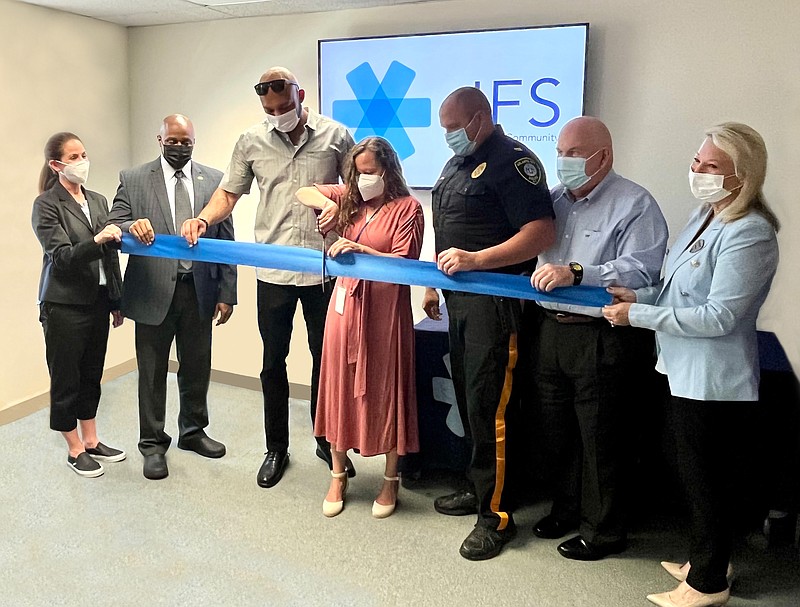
x,y
749,154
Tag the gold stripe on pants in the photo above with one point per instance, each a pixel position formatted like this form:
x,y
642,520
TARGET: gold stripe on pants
x,y
500,434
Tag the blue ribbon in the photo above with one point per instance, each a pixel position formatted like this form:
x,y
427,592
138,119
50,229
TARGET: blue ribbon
x,y
355,265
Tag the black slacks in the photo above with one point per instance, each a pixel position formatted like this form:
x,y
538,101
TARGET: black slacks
x,y
711,441
483,352
581,372
76,337
276,308
192,335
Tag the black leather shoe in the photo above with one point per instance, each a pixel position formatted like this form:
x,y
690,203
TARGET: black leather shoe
x,y
579,549
272,469
325,456
551,528
202,445
459,503
155,466
486,543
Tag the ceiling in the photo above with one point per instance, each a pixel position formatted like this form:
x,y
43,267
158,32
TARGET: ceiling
x,y
162,12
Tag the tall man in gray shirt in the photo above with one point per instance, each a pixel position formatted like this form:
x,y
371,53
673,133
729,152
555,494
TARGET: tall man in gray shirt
x,y
294,147
609,231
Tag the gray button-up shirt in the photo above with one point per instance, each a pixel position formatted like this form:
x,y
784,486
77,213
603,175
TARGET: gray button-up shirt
x,y
616,232
281,168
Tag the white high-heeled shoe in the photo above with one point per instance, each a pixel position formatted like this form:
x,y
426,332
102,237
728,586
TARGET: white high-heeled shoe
x,y
680,571
381,510
331,509
686,596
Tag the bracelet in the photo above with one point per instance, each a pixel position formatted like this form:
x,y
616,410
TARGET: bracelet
x,y
203,220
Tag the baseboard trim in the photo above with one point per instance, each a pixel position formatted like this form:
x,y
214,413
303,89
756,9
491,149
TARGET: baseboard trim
x,y
25,407
298,391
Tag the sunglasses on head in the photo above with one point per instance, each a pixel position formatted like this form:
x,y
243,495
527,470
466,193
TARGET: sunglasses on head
x,y
262,88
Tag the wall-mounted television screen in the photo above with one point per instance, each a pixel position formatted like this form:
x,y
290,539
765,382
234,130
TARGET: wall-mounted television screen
x,y
393,86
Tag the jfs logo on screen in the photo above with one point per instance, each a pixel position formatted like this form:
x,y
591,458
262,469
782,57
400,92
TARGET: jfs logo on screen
x,y
392,87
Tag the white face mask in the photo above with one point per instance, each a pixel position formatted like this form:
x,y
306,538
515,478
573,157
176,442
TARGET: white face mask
x,y
77,172
285,123
370,186
571,171
708,187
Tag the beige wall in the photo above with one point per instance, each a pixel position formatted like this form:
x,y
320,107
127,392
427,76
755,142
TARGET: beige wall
x,y
658,74
58,72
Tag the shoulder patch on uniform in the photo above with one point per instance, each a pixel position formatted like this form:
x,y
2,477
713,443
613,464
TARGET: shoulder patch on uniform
x,y
529,169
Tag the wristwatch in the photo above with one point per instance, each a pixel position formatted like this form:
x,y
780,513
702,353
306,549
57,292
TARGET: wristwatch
x,y
577,272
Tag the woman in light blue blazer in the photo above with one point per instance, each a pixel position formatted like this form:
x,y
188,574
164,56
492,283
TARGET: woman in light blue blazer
x,y
716,277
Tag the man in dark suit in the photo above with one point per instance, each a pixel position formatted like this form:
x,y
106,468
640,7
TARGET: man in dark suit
x,y
169,298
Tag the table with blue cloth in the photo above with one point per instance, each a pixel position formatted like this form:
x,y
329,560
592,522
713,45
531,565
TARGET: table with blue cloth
x,y
441,434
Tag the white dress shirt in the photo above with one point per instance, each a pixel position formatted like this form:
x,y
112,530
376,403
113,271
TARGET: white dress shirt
x,y
169,181
85,208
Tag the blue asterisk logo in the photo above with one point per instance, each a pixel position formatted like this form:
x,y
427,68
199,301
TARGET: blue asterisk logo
x,y
381,108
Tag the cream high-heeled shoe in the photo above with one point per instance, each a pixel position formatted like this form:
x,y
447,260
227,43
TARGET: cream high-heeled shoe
x,y
686,596
381,510
680,571
330,509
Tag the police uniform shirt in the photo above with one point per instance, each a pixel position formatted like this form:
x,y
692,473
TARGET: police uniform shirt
x,y
483,199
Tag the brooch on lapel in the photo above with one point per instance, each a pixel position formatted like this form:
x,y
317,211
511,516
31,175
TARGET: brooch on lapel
x,y
699,244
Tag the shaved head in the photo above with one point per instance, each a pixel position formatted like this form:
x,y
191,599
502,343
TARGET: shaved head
x,y
587,137
290,97
278,73
177,126
589,130
467,100
467,108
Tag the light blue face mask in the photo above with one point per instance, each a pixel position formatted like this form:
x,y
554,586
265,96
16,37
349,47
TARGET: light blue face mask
x,y
459,142
571,171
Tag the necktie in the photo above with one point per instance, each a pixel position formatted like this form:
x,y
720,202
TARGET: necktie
x,y
183,211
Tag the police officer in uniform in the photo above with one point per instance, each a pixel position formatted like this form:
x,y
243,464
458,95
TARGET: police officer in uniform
x,y
491,211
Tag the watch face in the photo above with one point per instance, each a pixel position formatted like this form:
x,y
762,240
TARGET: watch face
x,y
576,266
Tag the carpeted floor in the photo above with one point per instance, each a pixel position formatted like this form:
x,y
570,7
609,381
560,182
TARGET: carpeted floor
x,y
209,536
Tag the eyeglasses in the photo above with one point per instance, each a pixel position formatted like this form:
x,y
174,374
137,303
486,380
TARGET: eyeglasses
x,y
262,88
186,143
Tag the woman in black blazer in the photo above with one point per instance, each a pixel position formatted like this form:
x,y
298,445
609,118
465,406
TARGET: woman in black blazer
x,y
80,285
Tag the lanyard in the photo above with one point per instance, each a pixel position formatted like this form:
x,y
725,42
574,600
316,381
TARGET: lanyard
x,y
366,223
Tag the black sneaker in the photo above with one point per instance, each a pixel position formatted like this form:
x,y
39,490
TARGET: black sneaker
x,y
106,454
460,503
486,542
84,465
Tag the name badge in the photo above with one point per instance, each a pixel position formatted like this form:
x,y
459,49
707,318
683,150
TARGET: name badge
x,y
338,305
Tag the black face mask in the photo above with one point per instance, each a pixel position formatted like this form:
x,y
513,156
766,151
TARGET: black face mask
x,y
177,155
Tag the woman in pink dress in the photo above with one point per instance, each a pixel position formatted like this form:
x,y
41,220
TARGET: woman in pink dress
x,y
367,399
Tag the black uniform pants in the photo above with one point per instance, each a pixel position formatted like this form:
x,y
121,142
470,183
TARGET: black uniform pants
x,y
580,369
483,352
192,335
276,308
76,337
711,439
